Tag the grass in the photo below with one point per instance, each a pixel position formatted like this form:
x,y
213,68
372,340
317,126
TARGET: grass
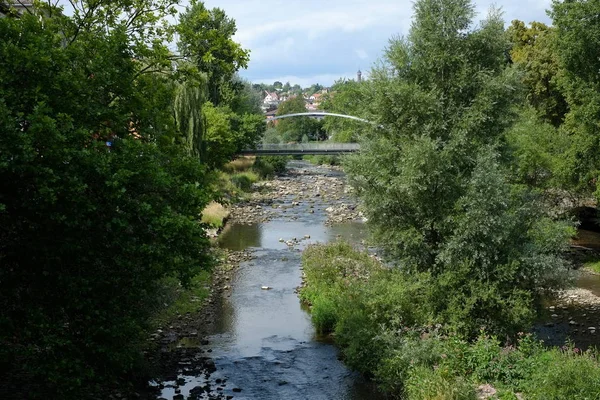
x,y
215,214
593,266
176,300
240,164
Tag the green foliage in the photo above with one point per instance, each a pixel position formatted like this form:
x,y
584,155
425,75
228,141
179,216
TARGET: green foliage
x,y
272,136
246,99
577,42
90,231
537,152
180,300
565,374
187,111
432,177
293,129
346,97
532,51
431,384
244,181
220,140
205,38
383,321
268,166
227,133
593,266
354,296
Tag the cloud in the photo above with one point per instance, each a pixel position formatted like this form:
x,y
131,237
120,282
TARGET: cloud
x,y
324,40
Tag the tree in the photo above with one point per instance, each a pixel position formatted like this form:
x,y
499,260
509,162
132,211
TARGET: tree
x,y
292,129
431,171
346,97
533,52
205,38
187,109
277,85
297,89
577,42
314,89
247,99
97,206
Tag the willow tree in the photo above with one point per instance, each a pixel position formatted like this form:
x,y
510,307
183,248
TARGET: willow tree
x,y
189,119
431,176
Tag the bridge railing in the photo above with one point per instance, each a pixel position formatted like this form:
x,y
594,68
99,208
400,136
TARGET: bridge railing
x,y
310,146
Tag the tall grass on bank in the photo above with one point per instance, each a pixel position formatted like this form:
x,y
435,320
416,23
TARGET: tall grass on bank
x,y
387,327
240,164
214,214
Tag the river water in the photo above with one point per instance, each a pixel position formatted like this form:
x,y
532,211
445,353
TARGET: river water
x,y
263,343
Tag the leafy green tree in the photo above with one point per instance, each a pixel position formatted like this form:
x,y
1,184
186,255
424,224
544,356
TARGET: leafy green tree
x,y
246,99
533,52
277,85
96,204
537,151
187,109
205,38
444,99
221,140
346,97
292,129
577,41
251,128
314,89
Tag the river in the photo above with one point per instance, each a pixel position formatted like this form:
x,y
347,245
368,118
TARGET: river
x,y
262,342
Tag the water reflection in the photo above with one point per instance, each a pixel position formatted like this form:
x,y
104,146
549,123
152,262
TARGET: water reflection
x,y
238,237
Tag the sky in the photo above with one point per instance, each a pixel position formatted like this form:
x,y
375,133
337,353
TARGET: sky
x,y
310,41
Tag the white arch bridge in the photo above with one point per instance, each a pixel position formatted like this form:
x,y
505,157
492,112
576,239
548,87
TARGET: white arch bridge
x,y
307,148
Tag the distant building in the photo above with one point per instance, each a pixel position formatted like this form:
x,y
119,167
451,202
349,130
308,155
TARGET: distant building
x,y
359,76
315,99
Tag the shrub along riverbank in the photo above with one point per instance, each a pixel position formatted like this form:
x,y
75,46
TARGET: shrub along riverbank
x,y
388,328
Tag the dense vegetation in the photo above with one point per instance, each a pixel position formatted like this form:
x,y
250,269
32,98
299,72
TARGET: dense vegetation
x,y
475,129
108,145
386,322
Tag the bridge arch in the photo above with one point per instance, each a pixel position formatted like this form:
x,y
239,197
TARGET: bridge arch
x,y
319,114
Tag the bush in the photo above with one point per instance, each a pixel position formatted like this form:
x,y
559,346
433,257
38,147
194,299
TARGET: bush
x,y
432,384
565,374
270,165
244,180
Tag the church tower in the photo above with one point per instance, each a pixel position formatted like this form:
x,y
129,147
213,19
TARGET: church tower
x,y
359,76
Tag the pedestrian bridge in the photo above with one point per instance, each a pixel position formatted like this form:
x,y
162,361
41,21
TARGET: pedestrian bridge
x,y
302,149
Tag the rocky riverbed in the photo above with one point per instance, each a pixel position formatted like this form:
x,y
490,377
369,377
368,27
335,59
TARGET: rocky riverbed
x,y
178,345
289,192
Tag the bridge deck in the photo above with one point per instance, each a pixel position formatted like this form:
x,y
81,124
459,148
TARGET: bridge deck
x,y
303,148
